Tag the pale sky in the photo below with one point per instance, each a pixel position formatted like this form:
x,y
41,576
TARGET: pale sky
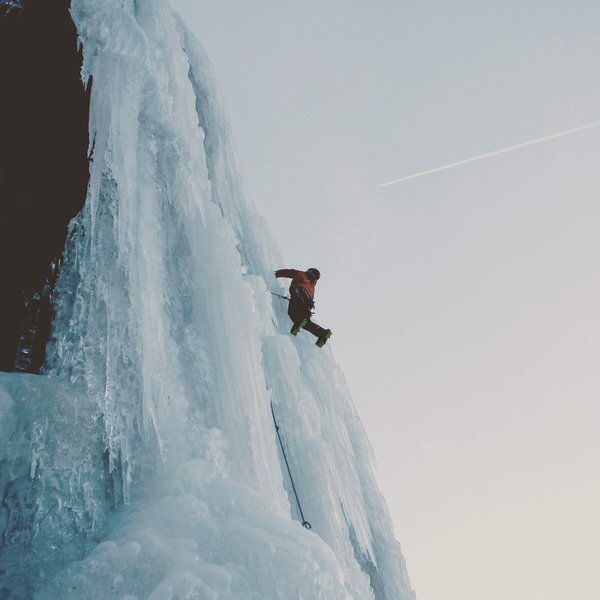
x,y
464,304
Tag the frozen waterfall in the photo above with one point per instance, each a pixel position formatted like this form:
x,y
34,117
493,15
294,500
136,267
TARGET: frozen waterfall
x,y
144,463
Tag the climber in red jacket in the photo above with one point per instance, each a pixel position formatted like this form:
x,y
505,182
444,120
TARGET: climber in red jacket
x,y
302,293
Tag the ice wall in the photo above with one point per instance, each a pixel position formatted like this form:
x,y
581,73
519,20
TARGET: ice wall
x,y
145,462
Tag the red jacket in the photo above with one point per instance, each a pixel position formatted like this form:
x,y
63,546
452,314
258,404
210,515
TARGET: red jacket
x,y
300,279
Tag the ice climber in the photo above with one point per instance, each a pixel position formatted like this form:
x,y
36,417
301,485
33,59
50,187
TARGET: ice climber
x,y
302,293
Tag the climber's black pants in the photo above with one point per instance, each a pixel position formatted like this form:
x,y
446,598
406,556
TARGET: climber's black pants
x,y
299,309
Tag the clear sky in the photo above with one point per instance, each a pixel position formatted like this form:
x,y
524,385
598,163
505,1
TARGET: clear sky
x,y
464,304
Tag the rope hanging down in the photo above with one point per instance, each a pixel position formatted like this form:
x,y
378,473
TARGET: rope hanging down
x,y
305,523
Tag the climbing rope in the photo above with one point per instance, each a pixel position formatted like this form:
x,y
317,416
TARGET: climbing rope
x,y
305,523
280,296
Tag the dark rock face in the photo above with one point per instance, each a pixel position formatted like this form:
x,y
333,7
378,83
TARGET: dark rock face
x,y
44,114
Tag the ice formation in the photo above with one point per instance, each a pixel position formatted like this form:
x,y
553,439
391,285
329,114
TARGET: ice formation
x,y
145,463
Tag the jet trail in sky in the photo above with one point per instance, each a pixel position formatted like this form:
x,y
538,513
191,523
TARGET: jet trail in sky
x,y
494,153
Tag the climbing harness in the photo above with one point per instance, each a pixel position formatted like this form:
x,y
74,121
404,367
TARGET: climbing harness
x,y
305,523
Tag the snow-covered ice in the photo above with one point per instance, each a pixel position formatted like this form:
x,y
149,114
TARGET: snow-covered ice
x,y
144,463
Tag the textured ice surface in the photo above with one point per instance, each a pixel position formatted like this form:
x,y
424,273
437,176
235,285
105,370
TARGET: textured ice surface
x,y
144,463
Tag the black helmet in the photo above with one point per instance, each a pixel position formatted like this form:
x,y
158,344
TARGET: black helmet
x,y
314,273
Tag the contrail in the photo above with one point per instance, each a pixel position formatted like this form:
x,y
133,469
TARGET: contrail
x,y
494,153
